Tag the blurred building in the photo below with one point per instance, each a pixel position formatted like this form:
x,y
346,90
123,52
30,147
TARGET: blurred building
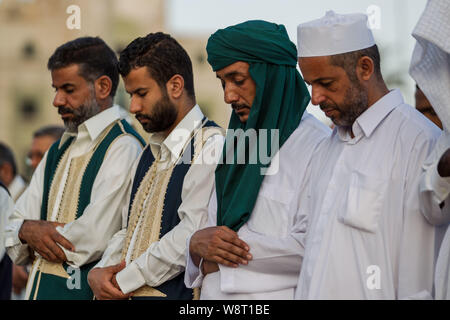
x,y
30,31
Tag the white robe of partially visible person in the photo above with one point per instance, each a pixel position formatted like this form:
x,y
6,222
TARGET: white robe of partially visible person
x,y
102,217
6,208
366,236
276,228
435,206
430,68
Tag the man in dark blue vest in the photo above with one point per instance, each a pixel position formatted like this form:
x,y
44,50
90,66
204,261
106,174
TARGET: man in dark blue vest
x,y
70,209
173,179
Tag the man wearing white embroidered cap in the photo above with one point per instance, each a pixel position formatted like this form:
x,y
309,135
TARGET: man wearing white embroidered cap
x,y
366,237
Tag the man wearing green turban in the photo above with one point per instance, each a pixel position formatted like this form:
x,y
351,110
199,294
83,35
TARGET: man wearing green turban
x,y
252,246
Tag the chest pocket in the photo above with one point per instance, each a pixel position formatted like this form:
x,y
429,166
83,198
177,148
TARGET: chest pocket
x,y
270,215
365,200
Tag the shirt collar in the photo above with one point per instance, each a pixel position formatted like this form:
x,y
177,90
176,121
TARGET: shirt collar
x,y
369,120
95,125
177,139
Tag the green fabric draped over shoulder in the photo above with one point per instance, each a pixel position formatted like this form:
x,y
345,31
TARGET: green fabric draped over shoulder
x,y
281,98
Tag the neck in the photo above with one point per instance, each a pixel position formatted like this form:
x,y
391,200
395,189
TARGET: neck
x,y
376,92
183,110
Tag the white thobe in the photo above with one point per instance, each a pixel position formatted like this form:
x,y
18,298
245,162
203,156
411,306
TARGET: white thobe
x,y
165,259
434,193
102,217
276,228
366,237
6,208
16,187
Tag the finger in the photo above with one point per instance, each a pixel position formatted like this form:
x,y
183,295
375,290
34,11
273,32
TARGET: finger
x,y
225,262
236,251
229,256
231,236
112,292
47,254
55,249
59,238
118,267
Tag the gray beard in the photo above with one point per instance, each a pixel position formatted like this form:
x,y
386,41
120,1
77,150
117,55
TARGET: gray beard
x,y
356,103
84,112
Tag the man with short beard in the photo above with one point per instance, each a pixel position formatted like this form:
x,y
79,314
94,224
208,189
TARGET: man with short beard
x,y
172,181
366,237
63,221
252,245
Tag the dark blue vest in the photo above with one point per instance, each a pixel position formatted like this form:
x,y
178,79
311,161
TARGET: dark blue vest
x,y
174,288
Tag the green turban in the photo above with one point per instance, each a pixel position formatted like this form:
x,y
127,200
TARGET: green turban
x,y
281,98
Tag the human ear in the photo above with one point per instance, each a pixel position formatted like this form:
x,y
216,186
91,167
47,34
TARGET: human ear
x,y
365,68
103,86
175,86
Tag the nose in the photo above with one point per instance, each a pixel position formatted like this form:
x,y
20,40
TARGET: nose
x,y
317,96
59,99
135,105
230,96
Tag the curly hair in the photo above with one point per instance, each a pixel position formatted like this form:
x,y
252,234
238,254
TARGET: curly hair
x,y
163,56
93,56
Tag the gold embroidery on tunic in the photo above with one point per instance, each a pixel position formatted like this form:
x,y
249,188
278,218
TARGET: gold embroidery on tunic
x,y
149,229
68,206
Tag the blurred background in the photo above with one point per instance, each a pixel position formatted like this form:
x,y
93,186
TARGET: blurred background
x,y
30,30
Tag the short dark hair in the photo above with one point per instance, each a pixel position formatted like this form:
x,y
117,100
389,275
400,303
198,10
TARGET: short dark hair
x,y
54,131
93,56
349,60
7,156
163,56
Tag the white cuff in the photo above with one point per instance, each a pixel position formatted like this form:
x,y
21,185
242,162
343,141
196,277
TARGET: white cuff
x,y
440,185
130,278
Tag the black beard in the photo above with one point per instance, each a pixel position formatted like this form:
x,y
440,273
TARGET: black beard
x,y
163,115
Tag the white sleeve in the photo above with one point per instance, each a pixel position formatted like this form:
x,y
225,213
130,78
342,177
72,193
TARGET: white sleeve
x,y
418,241
6,209
166,258
434,189
28,207
193,276
276,259
102,218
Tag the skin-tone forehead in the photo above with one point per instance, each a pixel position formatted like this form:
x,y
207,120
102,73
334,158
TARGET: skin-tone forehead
x,y
138,78
315,69
237,68
66,75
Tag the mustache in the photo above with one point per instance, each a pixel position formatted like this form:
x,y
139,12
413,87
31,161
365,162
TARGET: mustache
x,y
64,110
237,107
140,116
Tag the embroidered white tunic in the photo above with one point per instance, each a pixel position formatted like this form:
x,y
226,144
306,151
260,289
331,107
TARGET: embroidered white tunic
x,y
434,191
366,237
165,259
276,228
102,217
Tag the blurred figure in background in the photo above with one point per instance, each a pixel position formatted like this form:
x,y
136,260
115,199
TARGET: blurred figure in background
x,y
43,138
424,106
8,172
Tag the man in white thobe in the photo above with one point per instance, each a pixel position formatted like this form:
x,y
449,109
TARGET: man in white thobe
x,y
261,259
366,238
430,67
